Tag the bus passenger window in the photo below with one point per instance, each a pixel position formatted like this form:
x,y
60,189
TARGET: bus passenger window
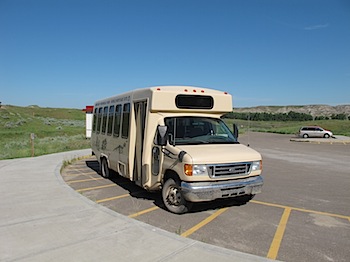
x,y
117,117
95,120
110,120
104,119
99,120
126,120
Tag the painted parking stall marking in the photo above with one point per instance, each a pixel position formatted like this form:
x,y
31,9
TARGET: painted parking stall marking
x,y
118,189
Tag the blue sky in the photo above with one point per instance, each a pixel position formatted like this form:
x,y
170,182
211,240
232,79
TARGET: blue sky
x,y
69,53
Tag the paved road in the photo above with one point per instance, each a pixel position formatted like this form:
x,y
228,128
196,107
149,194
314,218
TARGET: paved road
x,y
42,219
314,177
303,213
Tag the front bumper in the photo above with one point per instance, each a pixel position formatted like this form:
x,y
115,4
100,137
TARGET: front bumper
x,y
207,191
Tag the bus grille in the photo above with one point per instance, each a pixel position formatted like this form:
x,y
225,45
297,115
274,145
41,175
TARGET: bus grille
x,y
229,170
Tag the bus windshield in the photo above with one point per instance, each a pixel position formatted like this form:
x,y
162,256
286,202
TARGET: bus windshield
x,y
198,130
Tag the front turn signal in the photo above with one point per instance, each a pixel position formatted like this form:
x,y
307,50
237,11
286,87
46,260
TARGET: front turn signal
x,y
188,169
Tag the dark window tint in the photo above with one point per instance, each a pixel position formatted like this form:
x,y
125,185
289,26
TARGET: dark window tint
x,y
126,120
194,102
110,120
95,120
99,118
104,119
198,130
117,118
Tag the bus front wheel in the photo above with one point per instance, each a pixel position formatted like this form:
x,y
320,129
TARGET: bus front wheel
x,y
173,198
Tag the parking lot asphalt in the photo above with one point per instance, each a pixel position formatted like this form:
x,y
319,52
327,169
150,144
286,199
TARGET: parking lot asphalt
x,y
332,140
301,215
43,219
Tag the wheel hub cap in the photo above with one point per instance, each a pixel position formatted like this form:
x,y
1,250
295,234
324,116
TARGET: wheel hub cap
x,y
174,196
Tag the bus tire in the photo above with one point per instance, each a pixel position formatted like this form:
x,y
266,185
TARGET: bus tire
x,y
173,198
105,171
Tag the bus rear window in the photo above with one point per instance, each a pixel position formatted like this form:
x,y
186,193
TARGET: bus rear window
x,y
194,102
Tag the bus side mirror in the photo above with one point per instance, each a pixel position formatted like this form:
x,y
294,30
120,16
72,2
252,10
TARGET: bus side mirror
x,y
161,135
235,130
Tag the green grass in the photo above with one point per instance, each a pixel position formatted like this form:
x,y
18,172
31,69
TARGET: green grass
x,y
62,129
55,129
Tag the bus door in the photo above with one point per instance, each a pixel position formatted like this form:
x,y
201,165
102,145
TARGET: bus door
x,y
140,108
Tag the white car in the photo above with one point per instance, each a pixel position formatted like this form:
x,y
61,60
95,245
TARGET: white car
x,y
314,131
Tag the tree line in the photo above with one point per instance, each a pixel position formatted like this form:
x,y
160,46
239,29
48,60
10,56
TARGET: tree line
x,y
290,116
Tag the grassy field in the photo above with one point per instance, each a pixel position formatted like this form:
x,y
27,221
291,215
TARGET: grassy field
x,y
55,129
59,129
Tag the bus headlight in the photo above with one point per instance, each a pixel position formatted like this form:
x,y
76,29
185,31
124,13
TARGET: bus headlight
x,y
200,170
195,170
256,165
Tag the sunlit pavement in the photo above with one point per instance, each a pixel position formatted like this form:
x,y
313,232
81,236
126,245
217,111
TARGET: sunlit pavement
x,y
43,219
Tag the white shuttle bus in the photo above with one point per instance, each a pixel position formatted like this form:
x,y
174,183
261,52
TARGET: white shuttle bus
x,y
171,138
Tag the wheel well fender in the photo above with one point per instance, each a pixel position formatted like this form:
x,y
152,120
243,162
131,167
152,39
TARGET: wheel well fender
x,y
170,174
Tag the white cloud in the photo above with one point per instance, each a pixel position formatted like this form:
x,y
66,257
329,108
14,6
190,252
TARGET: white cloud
x,y
315,27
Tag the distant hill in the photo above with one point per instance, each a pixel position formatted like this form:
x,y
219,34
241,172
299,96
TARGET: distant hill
x,y
314,110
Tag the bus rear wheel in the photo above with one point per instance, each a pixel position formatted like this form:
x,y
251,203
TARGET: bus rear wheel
x,y
173,198
105,171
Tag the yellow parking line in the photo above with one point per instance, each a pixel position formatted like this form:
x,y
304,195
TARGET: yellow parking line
x,y
320,213
84,180
80,173
276,242
74,168
300,209
112,198
143,212
204,222
96,187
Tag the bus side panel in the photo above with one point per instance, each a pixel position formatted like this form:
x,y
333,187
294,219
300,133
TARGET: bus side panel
x,y
95,134
114,147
